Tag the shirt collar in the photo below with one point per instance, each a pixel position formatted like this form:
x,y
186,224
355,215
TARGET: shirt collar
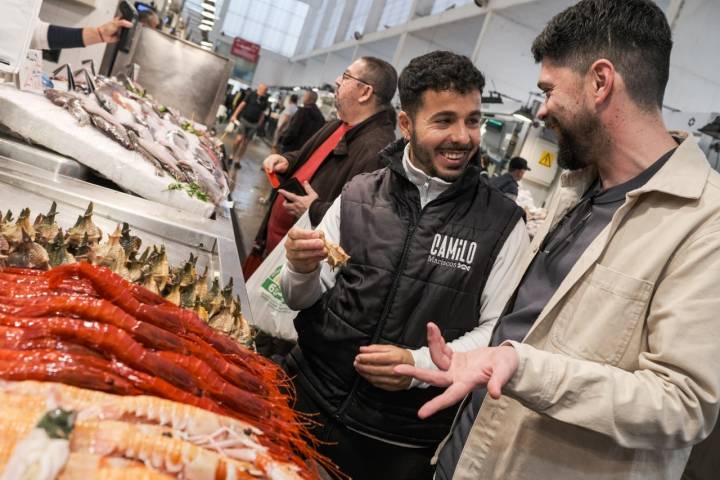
x,y
417,176
683,175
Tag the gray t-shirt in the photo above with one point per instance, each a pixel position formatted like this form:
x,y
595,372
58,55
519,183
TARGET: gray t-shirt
x,y
556,257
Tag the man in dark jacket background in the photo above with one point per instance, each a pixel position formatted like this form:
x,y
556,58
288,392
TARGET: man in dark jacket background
x,y
428,239
507,183
302,125
337,152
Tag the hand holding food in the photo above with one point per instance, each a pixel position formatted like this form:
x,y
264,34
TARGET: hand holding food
x,y
337,257
305,249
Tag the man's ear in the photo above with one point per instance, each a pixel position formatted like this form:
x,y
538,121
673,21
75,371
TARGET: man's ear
x,y
367,95
405,124
602,80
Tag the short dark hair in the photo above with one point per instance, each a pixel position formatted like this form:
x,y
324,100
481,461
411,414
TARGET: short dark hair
x,y
438,71
312,96
382,77
293,98
633,34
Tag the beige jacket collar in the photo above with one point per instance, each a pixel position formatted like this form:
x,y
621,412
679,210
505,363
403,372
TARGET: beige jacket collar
x,y
684,175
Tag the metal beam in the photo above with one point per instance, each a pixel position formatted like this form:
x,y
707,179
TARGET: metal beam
x,y
461,13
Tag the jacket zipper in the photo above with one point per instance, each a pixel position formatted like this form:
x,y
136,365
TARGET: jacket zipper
x,y
386,310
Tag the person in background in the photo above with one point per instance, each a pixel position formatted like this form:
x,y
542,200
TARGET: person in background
x,y
249,115
507,183
54,37
303,125
428,239
336,153
149,18
284,120
484,164
607,362
233,99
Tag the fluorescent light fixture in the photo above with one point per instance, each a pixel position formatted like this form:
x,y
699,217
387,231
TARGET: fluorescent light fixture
x,y
204,27
206,44
208,21
208,6
207,14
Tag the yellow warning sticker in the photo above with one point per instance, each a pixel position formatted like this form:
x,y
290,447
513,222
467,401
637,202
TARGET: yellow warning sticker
x,y
546,159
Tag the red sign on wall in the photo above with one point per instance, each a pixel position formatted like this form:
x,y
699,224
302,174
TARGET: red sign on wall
x,y
248,50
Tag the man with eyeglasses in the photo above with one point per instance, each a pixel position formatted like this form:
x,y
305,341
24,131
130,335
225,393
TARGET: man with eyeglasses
x,y
606,363
336,153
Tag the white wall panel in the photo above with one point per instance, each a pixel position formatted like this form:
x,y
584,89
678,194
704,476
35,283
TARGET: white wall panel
x,y
504,57
71,14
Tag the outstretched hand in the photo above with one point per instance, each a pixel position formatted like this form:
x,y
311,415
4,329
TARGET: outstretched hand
x,y
462,372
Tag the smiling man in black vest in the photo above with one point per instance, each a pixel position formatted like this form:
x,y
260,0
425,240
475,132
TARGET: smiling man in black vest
x,y
428,240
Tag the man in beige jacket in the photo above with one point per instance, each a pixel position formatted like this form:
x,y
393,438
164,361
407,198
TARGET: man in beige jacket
x,y
606,362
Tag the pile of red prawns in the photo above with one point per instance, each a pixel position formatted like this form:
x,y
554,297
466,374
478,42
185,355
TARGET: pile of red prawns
x,y
85,326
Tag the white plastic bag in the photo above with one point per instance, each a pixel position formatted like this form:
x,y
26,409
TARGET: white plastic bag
x,y
269,312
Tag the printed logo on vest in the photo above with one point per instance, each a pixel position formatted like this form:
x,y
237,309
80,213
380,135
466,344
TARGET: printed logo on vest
x,y
452,252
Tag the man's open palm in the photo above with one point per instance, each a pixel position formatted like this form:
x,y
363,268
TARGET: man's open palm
x,y
462,372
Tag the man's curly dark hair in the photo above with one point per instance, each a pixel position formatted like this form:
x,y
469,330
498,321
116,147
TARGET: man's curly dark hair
x,y
438,71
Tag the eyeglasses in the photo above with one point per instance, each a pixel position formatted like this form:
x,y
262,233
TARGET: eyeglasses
x,y
346,75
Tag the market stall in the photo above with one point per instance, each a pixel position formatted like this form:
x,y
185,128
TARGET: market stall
x,y
125,136
101,370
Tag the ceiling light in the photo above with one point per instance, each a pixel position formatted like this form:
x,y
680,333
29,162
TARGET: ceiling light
x,y
208,21
208,14
208,6
204,27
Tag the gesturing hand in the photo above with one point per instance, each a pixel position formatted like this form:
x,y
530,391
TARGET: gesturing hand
x,y
296,205
376,362
462,372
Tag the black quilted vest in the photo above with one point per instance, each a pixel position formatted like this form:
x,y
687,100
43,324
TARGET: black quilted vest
x,y
408,267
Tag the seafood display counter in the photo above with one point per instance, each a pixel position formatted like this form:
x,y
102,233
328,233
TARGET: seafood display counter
x,y
211,241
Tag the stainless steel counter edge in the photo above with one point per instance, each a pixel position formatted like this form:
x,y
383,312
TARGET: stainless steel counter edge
x,y
214,235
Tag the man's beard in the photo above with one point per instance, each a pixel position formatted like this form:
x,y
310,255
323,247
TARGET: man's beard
x,y
581,146
423,157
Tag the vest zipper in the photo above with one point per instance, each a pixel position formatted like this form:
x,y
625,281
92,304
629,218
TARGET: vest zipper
x,y
386,311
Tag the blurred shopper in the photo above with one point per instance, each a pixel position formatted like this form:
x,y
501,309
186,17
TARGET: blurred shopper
x,y
303,125
249,115
607,362
233,99
507,183
149,18
287,113
428,239
54,37
335,154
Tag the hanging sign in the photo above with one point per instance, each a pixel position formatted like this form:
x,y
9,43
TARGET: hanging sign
x,y
248,50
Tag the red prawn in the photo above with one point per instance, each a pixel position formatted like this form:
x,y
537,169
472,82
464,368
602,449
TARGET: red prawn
x,y
108,339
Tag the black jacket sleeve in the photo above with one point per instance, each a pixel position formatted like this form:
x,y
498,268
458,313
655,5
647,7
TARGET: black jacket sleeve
x,y
64,37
